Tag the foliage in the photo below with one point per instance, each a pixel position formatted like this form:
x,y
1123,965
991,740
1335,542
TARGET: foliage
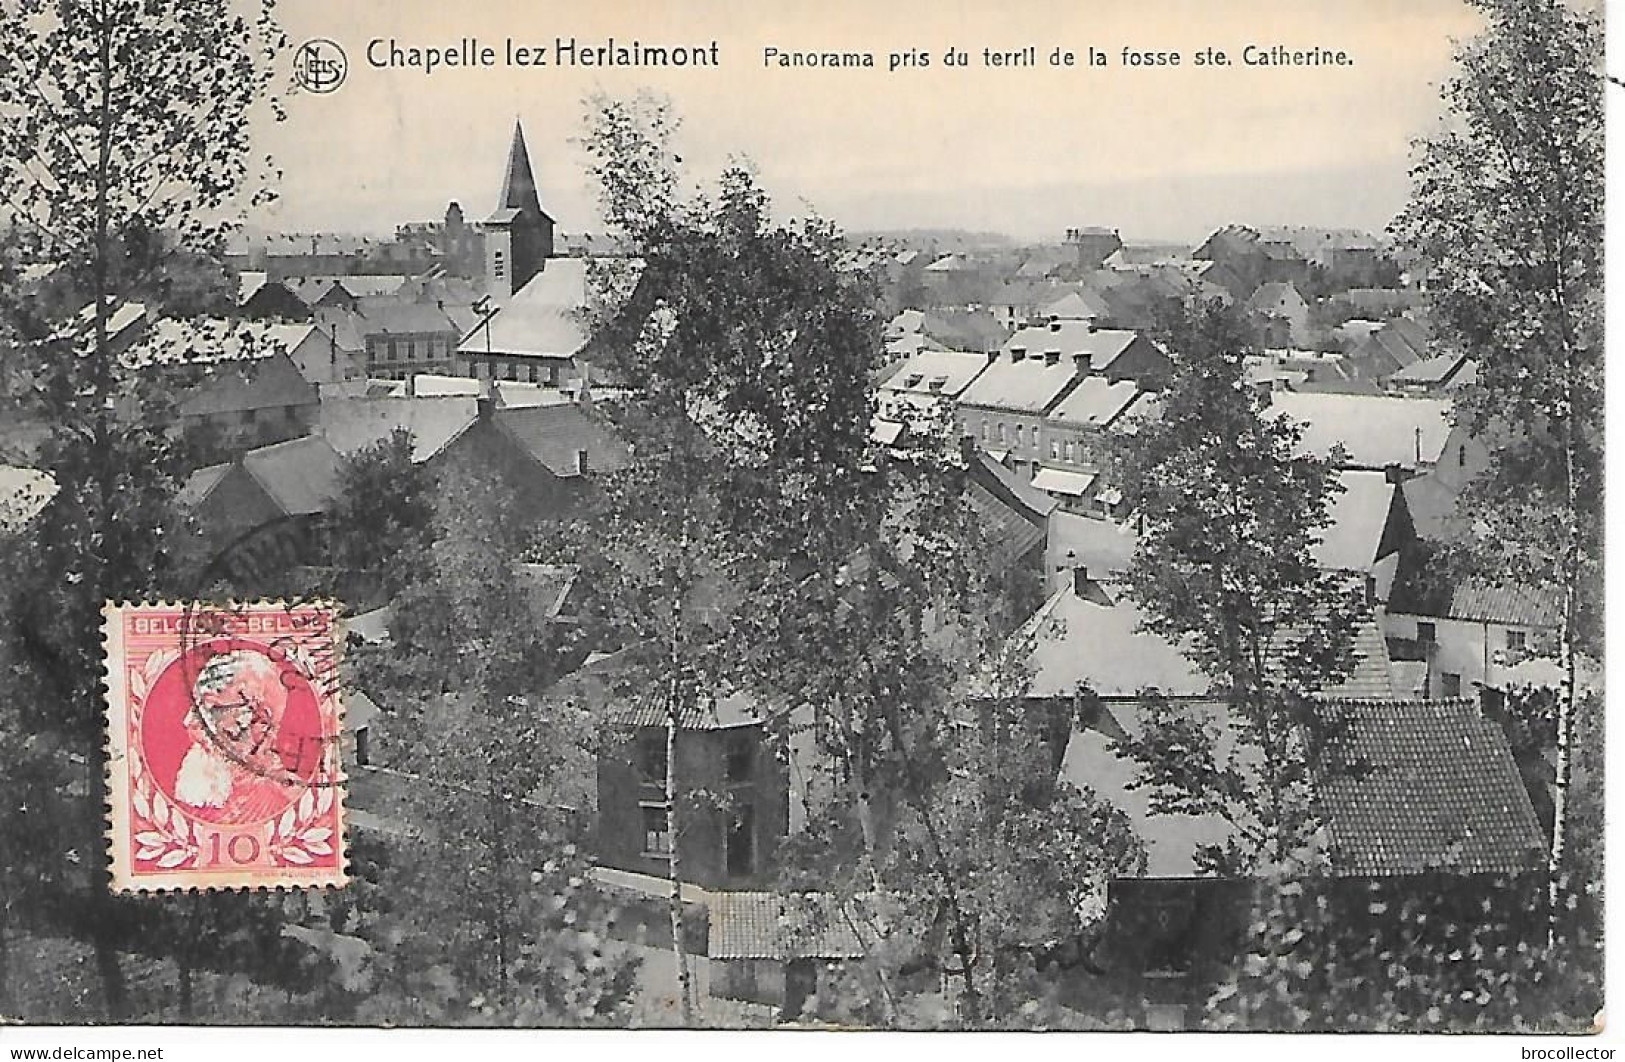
x,y
1506,210
482,913
382,518
1225,569
124,118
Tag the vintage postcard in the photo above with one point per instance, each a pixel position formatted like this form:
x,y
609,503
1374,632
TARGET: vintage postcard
x,y
222,747
762,515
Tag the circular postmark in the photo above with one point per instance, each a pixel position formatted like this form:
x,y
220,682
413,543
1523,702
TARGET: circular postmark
x,y
254,702
320,65
231,733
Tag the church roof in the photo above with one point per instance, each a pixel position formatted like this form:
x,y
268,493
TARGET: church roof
x,y
519,184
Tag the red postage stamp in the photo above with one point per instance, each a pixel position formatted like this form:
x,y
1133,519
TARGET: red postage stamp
x,y
223,726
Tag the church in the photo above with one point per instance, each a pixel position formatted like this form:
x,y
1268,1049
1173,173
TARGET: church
x,y
531,329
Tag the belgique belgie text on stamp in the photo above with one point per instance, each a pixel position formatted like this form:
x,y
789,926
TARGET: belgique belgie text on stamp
x,y
223,726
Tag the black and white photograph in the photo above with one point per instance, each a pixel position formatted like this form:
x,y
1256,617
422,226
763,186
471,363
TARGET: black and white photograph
x,y
987,517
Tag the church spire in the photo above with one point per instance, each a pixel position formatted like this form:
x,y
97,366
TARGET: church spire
x,y
519,185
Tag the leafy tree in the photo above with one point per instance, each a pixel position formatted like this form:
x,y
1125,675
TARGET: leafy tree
x,y
486,917
743,344
1225,569
1506,214
382,520
108,135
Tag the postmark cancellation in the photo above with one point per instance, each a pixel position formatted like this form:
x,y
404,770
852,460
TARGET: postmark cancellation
x,y
223,728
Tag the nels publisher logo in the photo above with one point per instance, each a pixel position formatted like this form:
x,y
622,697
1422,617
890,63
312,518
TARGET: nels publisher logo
x,y
320,65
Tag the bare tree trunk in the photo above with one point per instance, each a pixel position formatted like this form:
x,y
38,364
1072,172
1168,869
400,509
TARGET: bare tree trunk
x,y
674,874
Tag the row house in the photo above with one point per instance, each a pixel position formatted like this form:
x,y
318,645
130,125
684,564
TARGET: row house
x,y
1047,400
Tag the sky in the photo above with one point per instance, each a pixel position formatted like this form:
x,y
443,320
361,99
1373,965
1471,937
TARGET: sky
x,y
1157,152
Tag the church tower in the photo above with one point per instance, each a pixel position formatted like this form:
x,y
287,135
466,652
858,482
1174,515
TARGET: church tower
x,y
519,233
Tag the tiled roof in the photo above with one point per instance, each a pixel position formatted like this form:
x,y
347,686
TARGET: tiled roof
x,y
1438,369
265,383
1414,786
556,435
395,315
199,484
1028,386
730,710
1074,642
1482,601
765,925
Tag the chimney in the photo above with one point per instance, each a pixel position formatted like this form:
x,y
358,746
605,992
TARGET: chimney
x,y
1017,354
1394,473
581,462
1052,357
1054,324
485,404
1080,580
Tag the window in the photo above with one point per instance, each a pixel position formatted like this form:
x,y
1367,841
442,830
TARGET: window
x,y
372,355
740,758
987,431
1054,450
247,416
363,746
1516,640
552,375
1001,431
496,264
394,354
411,350
1452,685
656,830
1426,633
1070,452
535,374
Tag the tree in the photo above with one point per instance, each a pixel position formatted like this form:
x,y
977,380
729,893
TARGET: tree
x,y
744,346
485,916
382,520
123,118
1231,510
1506,215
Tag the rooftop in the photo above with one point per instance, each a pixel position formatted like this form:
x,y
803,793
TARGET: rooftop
x,y
1413,786
1375,431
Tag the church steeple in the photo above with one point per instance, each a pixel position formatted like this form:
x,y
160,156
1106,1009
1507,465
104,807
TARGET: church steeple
x,y
519,185
519,233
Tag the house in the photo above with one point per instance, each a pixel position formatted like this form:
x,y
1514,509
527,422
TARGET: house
x,y
545,456
921,395
1395,345
1091,246
1374,431
1283,311
1368,531
1472,634
778,948
262,299
253,402
537,336
263,513
1010,408
403,335
721,748
1076,440
1438,375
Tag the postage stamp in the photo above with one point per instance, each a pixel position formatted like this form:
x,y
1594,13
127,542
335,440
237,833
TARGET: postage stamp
x,y
223,726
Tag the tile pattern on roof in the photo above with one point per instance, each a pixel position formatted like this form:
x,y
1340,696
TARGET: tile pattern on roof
x,y
765,925
1416,786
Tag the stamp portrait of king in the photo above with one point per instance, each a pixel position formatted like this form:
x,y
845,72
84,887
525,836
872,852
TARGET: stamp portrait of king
x,y
223,768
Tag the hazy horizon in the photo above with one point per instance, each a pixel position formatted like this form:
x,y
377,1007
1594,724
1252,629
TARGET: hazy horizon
x,y
1161,155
